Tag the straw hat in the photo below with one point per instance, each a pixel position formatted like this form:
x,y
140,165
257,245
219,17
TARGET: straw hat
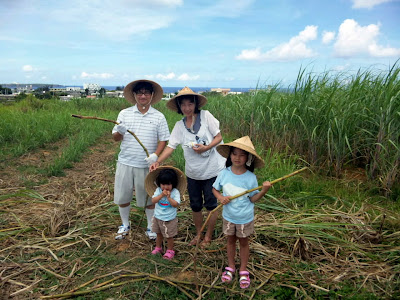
x,y
172,104
130,97
245,144
150,180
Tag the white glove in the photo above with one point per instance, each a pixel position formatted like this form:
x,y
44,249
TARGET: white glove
x,y
190,144
121,129
151,159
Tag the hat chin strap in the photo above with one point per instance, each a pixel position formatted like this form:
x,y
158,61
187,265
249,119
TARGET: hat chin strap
x,y
249,160
148,104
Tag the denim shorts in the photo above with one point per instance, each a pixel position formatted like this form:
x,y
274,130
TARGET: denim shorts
x,y
201,195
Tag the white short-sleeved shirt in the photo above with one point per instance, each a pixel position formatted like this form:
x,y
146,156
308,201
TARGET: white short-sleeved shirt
x,y
241,209
197,166
150,128
163,210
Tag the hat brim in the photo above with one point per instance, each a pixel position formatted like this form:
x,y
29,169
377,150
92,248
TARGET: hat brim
x,y
150,180
130,96
172,103
224,150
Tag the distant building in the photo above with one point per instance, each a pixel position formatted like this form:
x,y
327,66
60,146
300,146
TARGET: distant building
x,y
168,96
116,94
23,89
73,89
92,87
66,98
222,91
57,90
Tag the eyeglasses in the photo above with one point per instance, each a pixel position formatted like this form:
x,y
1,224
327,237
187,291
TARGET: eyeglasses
x,y
143,92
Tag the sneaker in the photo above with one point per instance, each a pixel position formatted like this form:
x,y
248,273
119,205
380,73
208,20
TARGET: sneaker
x,y
122,232
152,235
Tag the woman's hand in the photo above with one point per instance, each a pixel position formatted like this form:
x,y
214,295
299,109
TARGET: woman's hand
x,y
200,148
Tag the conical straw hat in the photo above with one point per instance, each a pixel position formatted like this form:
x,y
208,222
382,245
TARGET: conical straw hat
x,y
130,96
172,103
245,144
150,180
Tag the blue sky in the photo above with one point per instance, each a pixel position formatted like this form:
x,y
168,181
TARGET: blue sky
x,y
208,43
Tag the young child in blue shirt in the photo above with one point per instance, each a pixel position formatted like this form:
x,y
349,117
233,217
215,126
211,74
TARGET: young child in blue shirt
x,y
170,182
238,213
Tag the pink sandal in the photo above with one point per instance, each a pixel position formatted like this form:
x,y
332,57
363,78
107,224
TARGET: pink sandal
x,y
244,279
156,251
169,254
227,275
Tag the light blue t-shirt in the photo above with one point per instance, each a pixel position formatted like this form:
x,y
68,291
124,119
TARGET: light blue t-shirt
x,y
241,209
164,211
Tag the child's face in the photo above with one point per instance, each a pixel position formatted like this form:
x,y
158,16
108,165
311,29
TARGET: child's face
x,y
166,187
238,157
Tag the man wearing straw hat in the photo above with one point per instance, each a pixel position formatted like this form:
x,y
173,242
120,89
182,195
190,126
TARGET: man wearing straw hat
x,y
151,128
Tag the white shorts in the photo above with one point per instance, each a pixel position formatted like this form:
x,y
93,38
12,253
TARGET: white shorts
x,y
127,177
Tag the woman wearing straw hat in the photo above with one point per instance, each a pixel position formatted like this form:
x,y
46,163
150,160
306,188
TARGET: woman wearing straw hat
x,y
151,128
238,213
198,133
167,184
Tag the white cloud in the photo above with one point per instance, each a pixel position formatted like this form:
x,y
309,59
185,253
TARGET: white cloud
x,y
85,75
187,77
295,49
328,36
163,2
340,68
27,68
353,40
368,3
169,76
117,19
173,76
227,8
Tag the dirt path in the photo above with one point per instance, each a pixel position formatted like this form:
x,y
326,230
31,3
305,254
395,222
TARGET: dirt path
x,y
96,165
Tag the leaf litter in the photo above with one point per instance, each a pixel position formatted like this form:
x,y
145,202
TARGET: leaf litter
x,y
59,230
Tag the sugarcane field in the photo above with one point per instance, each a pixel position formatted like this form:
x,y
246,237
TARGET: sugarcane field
x,y
331,230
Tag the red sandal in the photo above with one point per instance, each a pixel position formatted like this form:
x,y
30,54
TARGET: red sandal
x,y
244,279
227,275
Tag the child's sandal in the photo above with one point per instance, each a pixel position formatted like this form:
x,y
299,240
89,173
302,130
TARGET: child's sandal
x,y
244,279
156,250
227,275
169,254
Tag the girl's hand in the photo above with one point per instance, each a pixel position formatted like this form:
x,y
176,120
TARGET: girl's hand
x,y
166,193
266,186
224,200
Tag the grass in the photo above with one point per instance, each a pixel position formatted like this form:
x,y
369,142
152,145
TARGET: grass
x,y
331,233
332,121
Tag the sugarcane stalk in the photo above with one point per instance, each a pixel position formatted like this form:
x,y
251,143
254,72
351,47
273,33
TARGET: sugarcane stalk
x,y
116,123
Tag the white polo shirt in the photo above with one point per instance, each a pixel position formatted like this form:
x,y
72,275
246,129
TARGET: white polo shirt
x,y
150,128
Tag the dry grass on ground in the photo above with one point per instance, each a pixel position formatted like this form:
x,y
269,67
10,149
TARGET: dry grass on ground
x,y
57,238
